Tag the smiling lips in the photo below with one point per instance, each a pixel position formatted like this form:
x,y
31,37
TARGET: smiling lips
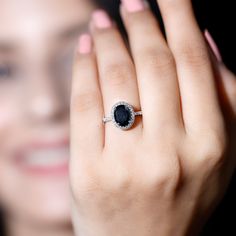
x,y
44,158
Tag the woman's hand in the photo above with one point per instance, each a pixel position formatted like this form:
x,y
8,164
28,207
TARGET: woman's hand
x,y
166,174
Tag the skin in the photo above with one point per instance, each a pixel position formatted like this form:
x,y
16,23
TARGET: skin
x,y
37,40
35,107
165,175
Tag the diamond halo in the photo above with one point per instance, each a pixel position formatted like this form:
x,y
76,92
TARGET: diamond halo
x,y
131,118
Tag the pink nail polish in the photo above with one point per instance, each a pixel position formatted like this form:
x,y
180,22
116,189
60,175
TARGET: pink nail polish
x,y
101,19
133,5
213,45
85,44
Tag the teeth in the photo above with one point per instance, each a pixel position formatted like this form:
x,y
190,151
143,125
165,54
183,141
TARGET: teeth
x,y
47,157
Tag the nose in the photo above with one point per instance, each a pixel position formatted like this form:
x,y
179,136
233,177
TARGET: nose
x,y
47,100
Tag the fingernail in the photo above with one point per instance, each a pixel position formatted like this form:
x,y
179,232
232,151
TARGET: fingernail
x,y
85,44
101,19
133,5
213,45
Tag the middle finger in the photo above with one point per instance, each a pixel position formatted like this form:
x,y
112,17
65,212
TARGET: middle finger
x,y
155,66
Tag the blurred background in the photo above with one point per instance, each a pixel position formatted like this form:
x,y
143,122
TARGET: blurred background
x,y
37,40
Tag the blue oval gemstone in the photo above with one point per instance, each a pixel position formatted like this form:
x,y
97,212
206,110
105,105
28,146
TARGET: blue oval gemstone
x,y
122,115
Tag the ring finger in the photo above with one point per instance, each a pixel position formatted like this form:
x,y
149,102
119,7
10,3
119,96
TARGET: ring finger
x,y
116,72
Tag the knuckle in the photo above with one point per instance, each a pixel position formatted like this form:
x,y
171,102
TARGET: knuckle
x,y
85,183
213,149
116,178
193,55
118,74
171,6
120,183
136,21
158,61
85,101
105,39
166,178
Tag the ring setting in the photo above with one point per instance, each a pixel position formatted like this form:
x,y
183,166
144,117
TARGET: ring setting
x,y
122,115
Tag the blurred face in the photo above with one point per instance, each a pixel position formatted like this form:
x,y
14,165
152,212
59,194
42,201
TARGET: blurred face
x,y
37,40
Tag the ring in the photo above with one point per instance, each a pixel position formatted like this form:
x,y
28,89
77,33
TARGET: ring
x,y
122,115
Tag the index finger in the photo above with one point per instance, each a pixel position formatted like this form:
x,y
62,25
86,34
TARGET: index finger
x,y
87,129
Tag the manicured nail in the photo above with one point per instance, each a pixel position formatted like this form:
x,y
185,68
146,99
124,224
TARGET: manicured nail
x,y
85,44
133,5
213,45
101,19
